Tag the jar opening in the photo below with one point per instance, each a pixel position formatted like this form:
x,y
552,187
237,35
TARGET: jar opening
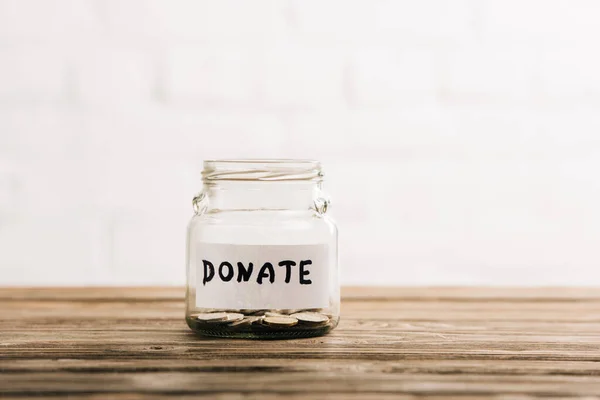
x,y
262,170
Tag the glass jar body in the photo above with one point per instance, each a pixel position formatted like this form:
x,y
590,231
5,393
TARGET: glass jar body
x,y
232,292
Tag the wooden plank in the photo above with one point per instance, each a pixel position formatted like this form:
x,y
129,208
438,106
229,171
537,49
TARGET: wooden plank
x,y
489,294
349,330
508,327
343,344
275,365
472,294
385,309
278,396
46,330
60,383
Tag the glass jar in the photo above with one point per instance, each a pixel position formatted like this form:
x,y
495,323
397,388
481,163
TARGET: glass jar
x,y
262,256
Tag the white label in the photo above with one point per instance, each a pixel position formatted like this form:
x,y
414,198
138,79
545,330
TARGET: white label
x,y
262,277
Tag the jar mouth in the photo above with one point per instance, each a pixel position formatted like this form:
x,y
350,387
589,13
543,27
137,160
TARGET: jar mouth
x,y
262,170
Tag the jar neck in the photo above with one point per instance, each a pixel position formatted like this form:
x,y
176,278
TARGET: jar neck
x,y
261,184
286,195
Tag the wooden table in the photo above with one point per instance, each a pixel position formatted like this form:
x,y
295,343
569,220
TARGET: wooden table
x,y
392,343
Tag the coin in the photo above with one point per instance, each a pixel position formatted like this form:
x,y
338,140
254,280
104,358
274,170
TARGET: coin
x,y
244,321
211,317
311,318
280,322
233,317
288,311
274,314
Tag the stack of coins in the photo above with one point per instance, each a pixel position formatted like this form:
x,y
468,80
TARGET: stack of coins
x,y
261,320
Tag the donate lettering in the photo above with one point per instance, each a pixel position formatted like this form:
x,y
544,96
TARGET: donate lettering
x,y
285,271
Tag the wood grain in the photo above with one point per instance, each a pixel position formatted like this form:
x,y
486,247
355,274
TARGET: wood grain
x,y
401,343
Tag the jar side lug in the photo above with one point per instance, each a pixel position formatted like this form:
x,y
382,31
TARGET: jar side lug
x,y
321,204
200,203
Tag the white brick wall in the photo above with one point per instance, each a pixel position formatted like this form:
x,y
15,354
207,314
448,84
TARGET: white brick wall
x,y
23,80
391,77
461,138
106,76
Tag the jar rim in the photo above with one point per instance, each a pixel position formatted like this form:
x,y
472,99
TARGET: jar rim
x,y
262,170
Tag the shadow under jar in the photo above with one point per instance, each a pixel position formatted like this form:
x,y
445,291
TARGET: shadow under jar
x,y
262,259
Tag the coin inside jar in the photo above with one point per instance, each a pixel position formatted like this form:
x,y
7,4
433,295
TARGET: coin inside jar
x,y
233,317
245,321
280,322
275,314
211,317
311,318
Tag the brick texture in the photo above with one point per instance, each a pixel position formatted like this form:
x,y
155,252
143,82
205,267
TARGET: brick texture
x,y
460,139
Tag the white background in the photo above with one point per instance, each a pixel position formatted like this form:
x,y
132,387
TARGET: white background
x,y
461,138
